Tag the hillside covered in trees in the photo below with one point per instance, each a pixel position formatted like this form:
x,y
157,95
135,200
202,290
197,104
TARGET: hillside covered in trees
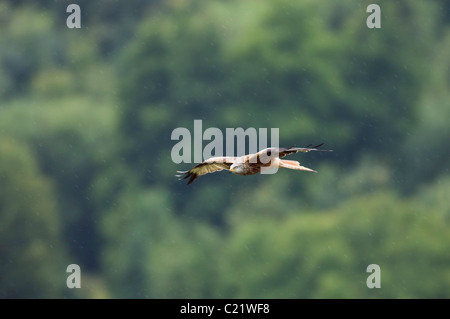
x,y
86,175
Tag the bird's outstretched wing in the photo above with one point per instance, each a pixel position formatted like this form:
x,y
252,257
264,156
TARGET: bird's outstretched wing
x,y
211,165
287,151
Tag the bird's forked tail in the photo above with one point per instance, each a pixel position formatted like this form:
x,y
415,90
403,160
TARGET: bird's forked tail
x,y
295,165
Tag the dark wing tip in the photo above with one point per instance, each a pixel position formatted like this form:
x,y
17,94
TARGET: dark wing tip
x,y
193,177
306,149
317,146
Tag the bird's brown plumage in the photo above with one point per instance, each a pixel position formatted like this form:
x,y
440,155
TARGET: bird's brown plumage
x,y
249,164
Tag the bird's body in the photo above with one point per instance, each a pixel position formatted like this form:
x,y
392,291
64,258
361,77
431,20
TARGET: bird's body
x,y
249,164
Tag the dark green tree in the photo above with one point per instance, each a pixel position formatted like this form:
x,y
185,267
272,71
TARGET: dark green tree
x,y
31,252
325,255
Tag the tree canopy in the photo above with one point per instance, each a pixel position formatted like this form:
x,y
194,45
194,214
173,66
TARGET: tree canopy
x,y
86,175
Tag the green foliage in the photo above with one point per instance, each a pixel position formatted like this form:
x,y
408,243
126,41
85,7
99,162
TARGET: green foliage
x,y
172,55
139,221
427,157
73,140
86,175
275,64
325,255
31,252
185,264
284,61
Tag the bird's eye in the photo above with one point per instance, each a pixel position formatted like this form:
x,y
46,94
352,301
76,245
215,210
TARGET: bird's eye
x,y
269,153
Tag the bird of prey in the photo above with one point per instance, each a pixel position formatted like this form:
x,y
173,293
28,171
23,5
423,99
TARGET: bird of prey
x,y
250,164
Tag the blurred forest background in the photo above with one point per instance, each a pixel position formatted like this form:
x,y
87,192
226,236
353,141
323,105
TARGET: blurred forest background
x,y
86,176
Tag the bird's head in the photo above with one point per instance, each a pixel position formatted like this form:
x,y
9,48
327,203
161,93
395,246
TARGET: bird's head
x,y
237,168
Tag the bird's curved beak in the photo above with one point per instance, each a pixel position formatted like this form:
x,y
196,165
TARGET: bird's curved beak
x,y
231,169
